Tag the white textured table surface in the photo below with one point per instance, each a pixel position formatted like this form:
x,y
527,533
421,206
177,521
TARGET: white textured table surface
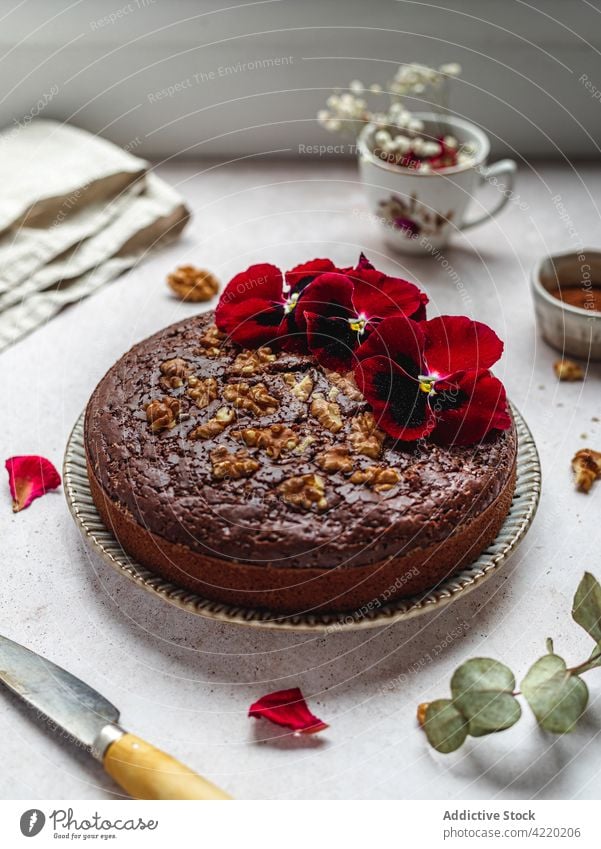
x,y
185,683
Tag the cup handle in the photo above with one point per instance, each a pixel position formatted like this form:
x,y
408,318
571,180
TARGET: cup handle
x,y
506,168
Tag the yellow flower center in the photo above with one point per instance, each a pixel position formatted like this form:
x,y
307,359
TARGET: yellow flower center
x,y
358,323
291,303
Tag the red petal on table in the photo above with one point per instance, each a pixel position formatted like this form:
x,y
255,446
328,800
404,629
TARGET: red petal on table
x,y
28,478
289,709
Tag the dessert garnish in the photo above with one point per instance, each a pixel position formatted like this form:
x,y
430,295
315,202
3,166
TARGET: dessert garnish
x,y
423,379
289,709
193,284
568,370
586,465
29,477
484,696
432,378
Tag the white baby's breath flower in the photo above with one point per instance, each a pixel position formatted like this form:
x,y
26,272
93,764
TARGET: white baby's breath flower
x,y
375,88
382,137
430,148
451,69
450,141
425,168
357,87
415,125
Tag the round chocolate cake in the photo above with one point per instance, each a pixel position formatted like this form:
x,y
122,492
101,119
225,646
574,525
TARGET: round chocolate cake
x,y
262,479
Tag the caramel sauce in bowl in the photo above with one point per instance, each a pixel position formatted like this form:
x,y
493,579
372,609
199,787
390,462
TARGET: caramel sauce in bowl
x,y
567,299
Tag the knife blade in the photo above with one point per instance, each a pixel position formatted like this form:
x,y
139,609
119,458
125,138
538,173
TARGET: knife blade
x,y
91,720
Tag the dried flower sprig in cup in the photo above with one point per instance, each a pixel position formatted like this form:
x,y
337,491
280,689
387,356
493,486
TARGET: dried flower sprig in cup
x,y
400,138
483,694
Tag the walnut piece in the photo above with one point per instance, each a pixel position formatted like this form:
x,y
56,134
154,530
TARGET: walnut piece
x,y
306,491
174,373
193,284
302,388
327,413
250,362
211,341
213,427
586,464
335,458
274,440
256,399
202,391
235,465
568,370
304,444
366,438
345,383
162,414
378,478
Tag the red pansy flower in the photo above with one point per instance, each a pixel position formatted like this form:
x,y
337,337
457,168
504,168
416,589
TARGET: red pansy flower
x,y
432,378
258,305
339,310
287,708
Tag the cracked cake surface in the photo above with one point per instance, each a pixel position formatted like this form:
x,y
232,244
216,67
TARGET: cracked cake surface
x,y
267,458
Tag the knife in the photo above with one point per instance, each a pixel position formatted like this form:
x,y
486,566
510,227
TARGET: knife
x,y
142,771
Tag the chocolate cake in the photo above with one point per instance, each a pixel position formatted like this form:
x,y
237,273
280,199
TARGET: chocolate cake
x,y
261,479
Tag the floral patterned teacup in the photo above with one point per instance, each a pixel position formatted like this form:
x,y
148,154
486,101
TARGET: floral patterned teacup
x,y
418,212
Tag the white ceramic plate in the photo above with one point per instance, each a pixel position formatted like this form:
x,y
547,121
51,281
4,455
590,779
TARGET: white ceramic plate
x,y
519,519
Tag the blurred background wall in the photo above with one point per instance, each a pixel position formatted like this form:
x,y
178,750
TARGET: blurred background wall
x,y
225,79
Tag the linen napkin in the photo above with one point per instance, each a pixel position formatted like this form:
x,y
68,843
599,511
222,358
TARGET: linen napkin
x,y
75,211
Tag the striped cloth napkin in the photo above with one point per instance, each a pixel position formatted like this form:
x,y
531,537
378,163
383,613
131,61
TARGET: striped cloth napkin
x,y
75,211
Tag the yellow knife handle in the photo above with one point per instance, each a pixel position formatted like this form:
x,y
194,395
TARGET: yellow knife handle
x,y
147,773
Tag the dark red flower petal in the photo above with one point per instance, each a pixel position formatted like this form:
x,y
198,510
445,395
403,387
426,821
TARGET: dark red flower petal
x,y
399,338
456,343
399,405
469,406
301,275
287,708
251,306
330,294
332,341
378,296
29,477
252,323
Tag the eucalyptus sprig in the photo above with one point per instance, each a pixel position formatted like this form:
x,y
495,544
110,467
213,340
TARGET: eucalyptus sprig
x,y
483,691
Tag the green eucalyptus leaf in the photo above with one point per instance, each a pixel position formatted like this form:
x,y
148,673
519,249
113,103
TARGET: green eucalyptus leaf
x,y
557,696
482,691
445,727
586,608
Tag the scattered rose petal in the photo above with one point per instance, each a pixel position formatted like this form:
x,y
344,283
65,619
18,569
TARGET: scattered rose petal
x,y
28,478
289,709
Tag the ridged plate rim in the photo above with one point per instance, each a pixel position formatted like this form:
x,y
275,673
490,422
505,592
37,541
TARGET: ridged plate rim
x,y
102,541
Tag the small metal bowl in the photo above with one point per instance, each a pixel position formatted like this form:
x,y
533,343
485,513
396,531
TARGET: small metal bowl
x,y
572,330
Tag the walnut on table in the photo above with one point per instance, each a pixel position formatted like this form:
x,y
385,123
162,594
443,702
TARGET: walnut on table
x,y
335,458
250,362
327,413
174,372
274,440
213,427
193,284
568,370
235,465
306,491
586,464
162,414
366,437
378,478
202,390
255,399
